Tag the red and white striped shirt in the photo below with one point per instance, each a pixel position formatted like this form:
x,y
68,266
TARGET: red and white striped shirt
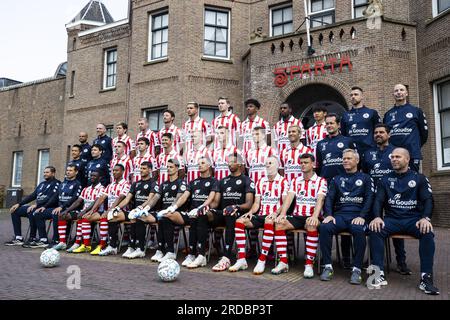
x,y
177,136
129,143
271,194
256,159
115,190
152,138
138,160
280,132
306,194
220,159
198,124
290,161
90,194
232,122
247,127
192,157
161,164
127,164
315,134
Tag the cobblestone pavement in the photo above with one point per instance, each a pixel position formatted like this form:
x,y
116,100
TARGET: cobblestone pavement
x,y
113,277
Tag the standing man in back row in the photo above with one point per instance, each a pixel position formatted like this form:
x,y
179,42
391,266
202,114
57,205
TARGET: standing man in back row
x,y
409,128
105,141
359,122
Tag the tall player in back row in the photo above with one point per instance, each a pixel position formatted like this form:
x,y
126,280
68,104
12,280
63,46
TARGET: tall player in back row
x,y
226,119
280,129
250,123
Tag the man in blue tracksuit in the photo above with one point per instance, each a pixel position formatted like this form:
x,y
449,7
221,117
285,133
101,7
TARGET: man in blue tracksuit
x,y
85,147
409,128
68,191
105,141
42,194
98,164
329,165
79,163
359,122
347,207
407,199
377,162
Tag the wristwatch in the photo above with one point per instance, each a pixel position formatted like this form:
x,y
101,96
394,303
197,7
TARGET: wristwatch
x,y
428,219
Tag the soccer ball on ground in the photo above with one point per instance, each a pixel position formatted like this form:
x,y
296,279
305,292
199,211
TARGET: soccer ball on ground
x,y
168,270
50,258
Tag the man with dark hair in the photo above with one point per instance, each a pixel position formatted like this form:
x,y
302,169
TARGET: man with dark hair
x,y
122,158
257,155
193,124
280,129
85,147
86,201
121,130
406,196
308,191
174,196
143,155
221,152
226,119
318,131
197,151
377,163
42,195
251,122
109,220
359,122
235,197
105,141
152,137
169,127
76,160
408,124
98,164
68,191
167,153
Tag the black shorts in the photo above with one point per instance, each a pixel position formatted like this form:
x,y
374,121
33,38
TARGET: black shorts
x,y
186,219
297,221
218,218
258,221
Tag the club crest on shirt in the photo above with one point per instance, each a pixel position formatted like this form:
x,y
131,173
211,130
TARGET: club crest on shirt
x,y
359,182
207,184
146,187
174,187
409,115
340,145
238,182
411,183
98,166
365,115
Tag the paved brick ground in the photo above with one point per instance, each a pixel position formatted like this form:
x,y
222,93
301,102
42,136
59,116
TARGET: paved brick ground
x,y
22,277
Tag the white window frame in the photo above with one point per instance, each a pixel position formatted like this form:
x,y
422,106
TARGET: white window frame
x,y
223,10
438,130
321,13
435,9
13,176
40,171
353,8
214,109
150,36
105,68
286,5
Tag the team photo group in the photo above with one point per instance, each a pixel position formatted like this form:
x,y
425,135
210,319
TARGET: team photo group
x,y
245,187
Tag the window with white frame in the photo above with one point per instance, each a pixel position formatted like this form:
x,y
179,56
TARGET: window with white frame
x,y
110,69
110,132
439,6
442,114
216,36
209,113
155,118
281,20
17,169
321,12
44,161
358,8
159,35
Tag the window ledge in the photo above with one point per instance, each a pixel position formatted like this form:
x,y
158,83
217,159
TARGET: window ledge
x,y
71,96
230,61
156,61
107,90
439,16
440,173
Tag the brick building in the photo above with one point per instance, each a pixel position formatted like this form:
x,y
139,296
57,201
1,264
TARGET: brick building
x,y
169,52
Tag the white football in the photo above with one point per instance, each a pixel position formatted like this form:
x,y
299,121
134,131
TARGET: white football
x,y
50,258
168,270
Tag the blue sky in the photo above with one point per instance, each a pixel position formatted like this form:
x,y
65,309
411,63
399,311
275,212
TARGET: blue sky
x,y
33,38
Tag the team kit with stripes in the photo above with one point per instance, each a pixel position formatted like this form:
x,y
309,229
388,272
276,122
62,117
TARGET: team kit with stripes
x,y
236,181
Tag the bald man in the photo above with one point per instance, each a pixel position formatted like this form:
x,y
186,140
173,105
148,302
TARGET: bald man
x,y
85,147
408,125
407,199
105,141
